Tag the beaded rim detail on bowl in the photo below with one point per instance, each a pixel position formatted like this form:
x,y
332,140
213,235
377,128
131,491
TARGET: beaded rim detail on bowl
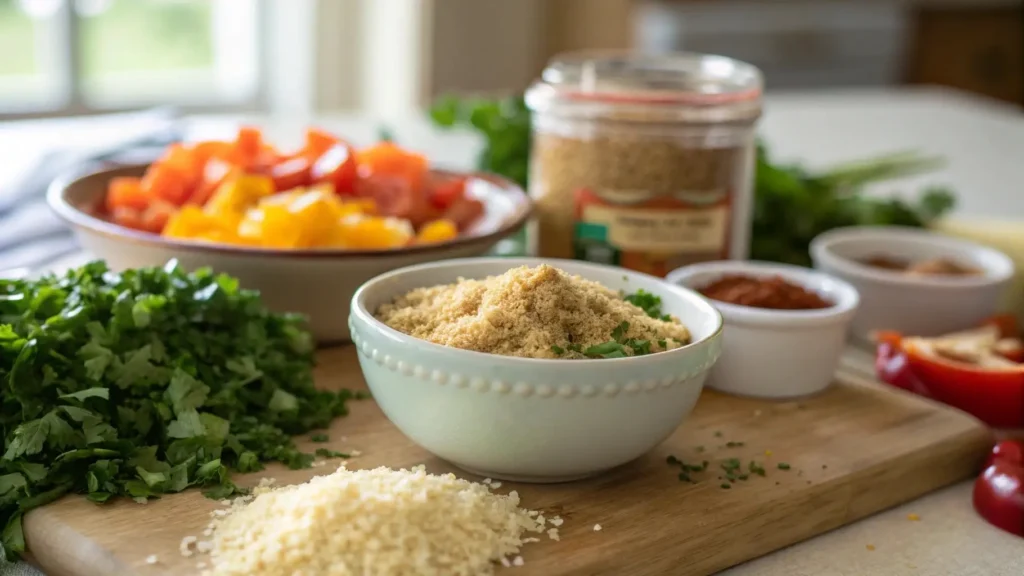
x,y
525,389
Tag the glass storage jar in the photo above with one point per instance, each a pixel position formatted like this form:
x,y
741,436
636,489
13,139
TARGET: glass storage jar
x,y
643,161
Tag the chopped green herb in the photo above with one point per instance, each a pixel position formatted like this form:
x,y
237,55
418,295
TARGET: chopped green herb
x,y
725,485
143,383
684,477
742,476
620,331
606,350
672,460
783,466
638,346
325,453
733,444
320,438
558,350
756,468
650,304
663,343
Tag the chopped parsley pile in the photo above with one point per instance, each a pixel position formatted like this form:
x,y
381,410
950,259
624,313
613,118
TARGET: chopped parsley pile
x,y
144,383
619,346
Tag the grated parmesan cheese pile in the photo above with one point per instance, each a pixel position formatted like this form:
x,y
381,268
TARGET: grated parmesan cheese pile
x,y
383,522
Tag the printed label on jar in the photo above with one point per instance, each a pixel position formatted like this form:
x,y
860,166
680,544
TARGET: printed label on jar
x,y
651,234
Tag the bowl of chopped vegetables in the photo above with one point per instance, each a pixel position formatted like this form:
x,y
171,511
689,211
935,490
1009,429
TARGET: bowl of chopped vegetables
x,y
533,370
305,228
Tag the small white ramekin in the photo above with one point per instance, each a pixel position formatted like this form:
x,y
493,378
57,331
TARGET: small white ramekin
x,y
776,353
918,305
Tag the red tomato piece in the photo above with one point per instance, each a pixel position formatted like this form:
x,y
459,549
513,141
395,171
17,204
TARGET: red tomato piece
x,y
215,173
395,197
318,142
249,142
185,162
264,161
291,173
127,217
164,181
388,158
125,192
464,211
156,215
443,191
336,166
205,151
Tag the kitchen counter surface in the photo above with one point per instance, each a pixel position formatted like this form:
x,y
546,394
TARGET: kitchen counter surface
x,y
984,142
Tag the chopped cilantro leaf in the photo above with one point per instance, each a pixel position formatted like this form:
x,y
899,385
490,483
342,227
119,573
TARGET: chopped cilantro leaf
x,y
325,453
650,304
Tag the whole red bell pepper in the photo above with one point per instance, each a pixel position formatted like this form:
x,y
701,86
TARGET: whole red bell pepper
x,y
999,491
976,371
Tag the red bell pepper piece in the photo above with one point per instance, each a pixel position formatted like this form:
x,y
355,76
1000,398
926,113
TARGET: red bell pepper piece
x,y
993,394
892,365
999,491
972,370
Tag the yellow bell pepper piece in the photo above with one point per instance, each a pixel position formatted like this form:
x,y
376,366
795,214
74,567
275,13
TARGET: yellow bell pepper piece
x,y
316,215
278,228
359,206
371,233
250,228
437,231
237,194
189,222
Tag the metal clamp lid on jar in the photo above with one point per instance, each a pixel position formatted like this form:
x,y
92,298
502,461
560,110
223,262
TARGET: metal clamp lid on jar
x,y
632,87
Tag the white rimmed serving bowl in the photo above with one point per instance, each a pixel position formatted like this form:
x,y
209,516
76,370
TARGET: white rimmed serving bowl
x,y
919,305
776,353
317,283
531,420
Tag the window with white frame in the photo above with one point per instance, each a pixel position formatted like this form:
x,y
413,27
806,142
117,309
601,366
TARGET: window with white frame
x,y
77,56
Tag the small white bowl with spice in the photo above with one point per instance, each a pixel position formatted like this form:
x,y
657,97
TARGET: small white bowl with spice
x,y
785,326
914,281
533,370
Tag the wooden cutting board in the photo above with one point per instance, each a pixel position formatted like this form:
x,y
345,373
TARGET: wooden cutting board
x,y
856,449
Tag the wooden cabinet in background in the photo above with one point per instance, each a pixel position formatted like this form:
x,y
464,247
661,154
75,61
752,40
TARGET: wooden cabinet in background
x,y
980,50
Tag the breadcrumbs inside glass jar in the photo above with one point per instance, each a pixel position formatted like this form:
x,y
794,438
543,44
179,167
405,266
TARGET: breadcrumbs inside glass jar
x,y
642,161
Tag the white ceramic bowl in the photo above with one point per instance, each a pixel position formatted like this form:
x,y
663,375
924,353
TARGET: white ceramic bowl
x,y
316,283
776,353
919,305
523,419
